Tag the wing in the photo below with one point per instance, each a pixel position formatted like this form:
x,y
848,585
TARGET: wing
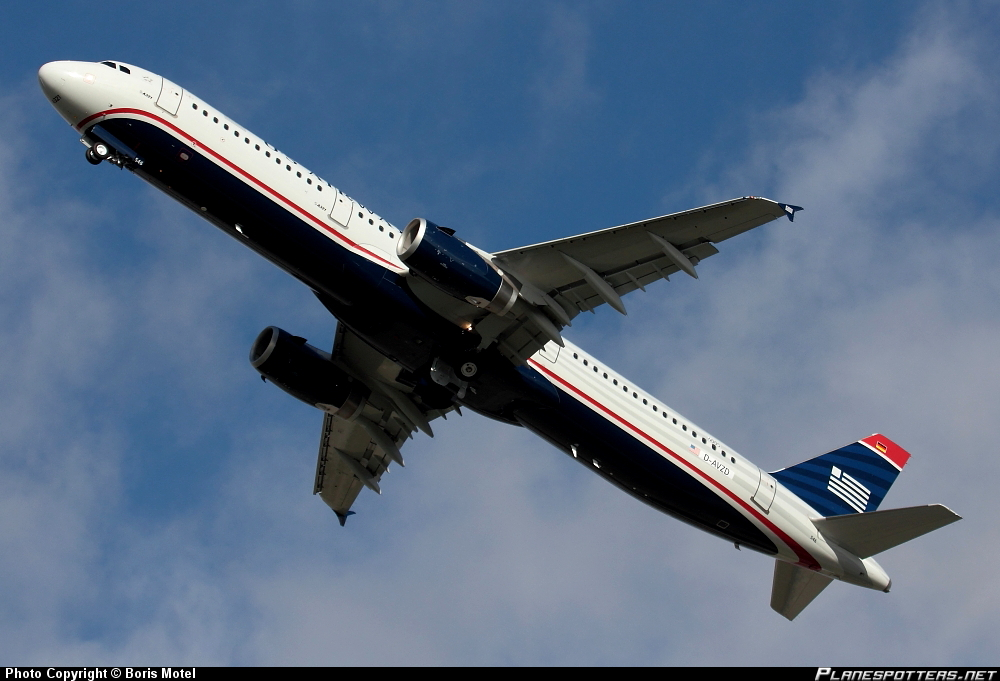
x,y
582,272
354,453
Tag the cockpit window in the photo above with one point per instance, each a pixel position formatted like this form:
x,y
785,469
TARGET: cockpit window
x,y
123,69
109,63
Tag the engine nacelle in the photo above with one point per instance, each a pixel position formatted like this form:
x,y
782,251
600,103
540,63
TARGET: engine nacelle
x,y
306,373
448,263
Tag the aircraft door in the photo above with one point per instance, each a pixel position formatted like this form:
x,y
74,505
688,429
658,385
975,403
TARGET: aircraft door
x,y
764,496
343,209
170,97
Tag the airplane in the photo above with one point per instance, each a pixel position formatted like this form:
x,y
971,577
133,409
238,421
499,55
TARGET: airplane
x,y
428,324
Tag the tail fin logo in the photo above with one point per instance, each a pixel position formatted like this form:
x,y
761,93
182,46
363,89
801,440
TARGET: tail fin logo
x,y
852,492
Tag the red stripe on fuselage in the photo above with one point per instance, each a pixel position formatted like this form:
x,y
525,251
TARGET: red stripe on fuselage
x,y
196,143
805,560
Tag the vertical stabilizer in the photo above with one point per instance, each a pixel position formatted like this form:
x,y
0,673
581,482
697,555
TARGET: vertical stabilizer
x,y
794,588
852,479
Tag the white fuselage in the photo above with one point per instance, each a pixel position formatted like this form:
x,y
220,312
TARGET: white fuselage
x,y
88,93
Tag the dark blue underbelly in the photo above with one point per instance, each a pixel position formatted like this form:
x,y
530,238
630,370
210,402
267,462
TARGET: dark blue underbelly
x,y
372,301
639,470
356,290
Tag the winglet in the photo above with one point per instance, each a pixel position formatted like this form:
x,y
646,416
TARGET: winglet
x,y
342,517
790,210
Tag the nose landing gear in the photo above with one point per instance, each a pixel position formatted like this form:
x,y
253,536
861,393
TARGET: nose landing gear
x,y
102,151
98,152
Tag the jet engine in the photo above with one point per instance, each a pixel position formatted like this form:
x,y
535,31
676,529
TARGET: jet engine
x,y
434,254
306,373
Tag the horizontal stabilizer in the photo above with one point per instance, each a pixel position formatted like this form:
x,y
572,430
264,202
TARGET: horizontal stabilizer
x,y
866,534
794,588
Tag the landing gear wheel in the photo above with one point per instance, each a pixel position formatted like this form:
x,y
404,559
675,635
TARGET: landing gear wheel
x,y
469,369
98,152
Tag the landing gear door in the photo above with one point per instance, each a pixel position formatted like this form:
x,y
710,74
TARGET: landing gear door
x,y
764,496
342,210
550,352
170,97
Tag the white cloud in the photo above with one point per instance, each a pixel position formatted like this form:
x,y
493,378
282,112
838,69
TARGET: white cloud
x,y
875,310
154,496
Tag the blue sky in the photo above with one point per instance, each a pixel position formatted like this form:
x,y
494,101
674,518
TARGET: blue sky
x,y
155,502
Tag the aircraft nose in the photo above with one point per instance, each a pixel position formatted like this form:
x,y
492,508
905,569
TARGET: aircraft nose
x,y
51,76
68,85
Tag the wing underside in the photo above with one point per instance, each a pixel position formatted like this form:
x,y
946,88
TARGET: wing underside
x,y
356,452
556,280
560,279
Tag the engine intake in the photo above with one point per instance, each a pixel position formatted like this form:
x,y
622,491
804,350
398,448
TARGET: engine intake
x,y
306,373
433,253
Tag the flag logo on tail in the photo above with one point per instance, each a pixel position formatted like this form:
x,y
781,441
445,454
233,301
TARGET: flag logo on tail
x,y
852,492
